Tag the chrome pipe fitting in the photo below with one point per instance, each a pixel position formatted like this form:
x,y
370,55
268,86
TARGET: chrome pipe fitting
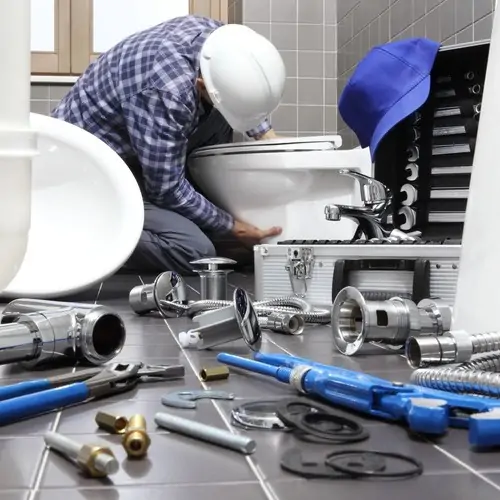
x,y
226,324
453,347
168,286
356,320
213,279
290,324
37,332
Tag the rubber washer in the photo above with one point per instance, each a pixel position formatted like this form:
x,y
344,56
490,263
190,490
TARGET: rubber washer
x,y
293,461
291,411
337,461
352,432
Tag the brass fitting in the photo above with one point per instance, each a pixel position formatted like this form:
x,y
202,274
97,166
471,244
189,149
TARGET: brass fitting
x,y
90,459
114,424
214,373
136,440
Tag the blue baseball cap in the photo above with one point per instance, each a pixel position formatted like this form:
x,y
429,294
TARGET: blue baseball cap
x,y
389,84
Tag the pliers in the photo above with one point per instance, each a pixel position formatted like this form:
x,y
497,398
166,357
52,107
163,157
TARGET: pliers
x,y
35,397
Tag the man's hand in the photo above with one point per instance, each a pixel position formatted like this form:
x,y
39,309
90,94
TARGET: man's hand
x,y
251,235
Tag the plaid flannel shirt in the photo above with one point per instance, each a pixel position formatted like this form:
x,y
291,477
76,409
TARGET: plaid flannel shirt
x,y
140,99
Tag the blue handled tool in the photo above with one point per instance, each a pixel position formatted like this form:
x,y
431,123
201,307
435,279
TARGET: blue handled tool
x,y
29,399
427,411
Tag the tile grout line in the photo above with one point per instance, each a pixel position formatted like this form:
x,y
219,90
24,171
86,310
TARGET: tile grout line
x,y
452,457
42,463
266,488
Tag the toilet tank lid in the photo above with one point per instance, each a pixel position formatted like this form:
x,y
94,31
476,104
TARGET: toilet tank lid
x,y
281,145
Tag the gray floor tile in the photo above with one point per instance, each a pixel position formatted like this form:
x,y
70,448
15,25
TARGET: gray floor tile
x,y
19,459
14,495
172,459
246,491
182,468
455,486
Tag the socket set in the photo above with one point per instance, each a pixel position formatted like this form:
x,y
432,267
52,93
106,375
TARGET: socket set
x,y
426,160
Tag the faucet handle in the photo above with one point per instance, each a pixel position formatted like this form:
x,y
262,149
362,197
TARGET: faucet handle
x,y
372,191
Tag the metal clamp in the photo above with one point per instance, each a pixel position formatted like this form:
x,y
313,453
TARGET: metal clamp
x,y
213,279
187,399
299,265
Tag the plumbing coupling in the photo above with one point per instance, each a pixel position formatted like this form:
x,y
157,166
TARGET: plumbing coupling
x,y
290,324
356,320
453,347
37,332
213,278
236,321
168,286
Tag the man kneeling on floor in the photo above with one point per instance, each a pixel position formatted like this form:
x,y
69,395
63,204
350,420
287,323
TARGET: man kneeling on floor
x,y
158,95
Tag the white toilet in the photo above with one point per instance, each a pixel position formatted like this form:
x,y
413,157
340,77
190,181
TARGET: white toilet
x,y
282,182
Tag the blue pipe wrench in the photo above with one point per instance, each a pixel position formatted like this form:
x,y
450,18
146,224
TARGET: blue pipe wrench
x,y
427,411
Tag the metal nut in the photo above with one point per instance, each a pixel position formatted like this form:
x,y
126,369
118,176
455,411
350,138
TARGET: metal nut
x,y
214,373
114,424
136,440
87,456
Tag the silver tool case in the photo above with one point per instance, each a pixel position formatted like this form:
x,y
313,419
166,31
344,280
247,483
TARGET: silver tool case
x,y
426,161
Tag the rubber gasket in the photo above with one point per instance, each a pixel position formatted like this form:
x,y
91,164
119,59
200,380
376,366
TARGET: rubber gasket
x,y
332,460
293,461
346,430
352,432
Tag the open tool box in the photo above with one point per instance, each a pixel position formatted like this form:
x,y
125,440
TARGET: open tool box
x,y
426,162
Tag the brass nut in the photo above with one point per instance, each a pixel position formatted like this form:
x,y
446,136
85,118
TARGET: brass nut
x,y
87,456
114,424
214,373
136,440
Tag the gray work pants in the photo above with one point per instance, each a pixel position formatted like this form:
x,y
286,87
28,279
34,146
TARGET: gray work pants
x,y
169,241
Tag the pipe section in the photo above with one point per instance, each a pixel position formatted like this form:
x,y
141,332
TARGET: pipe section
x,y
36,332
454,347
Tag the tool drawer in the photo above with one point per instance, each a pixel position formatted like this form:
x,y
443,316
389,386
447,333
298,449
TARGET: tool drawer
x,y
426,160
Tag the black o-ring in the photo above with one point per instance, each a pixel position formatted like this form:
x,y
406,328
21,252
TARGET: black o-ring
x,y
283,409
417,470
352,432
293,461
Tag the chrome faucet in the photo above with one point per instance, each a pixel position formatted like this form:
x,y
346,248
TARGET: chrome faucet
x,y
375,211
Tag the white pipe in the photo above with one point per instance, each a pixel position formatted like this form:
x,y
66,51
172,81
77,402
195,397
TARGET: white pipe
x,y
17,142
477,302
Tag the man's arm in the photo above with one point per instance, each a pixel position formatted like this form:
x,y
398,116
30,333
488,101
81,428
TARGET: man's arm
x,y
158,125
263,131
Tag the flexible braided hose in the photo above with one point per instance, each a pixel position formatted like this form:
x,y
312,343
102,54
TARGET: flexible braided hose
x,y
288,305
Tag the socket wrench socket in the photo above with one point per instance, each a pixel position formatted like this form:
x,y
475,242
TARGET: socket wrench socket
x,y
169,286
226,324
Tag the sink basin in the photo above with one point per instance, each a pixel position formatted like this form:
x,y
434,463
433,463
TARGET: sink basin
x,y
87,213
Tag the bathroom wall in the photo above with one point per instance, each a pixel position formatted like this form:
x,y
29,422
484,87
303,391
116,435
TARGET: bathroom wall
x,y
304,32
45,97
365,23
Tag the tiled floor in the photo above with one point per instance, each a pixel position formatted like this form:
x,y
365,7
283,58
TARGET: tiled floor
x,y
180,468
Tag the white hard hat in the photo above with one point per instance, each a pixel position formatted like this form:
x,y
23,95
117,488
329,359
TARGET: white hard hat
x,y
244,75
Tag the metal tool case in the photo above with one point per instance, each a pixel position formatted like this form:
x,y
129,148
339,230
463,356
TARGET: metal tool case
x,y
426,162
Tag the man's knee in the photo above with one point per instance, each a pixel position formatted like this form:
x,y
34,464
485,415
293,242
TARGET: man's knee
x,y
201,248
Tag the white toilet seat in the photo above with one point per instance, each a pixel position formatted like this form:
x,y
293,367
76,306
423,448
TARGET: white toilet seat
x,y
281,145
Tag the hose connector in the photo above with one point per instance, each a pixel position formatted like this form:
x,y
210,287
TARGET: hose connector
x,y
289,324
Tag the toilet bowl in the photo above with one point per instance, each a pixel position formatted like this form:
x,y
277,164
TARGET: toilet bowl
x,y
87,213
282,182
